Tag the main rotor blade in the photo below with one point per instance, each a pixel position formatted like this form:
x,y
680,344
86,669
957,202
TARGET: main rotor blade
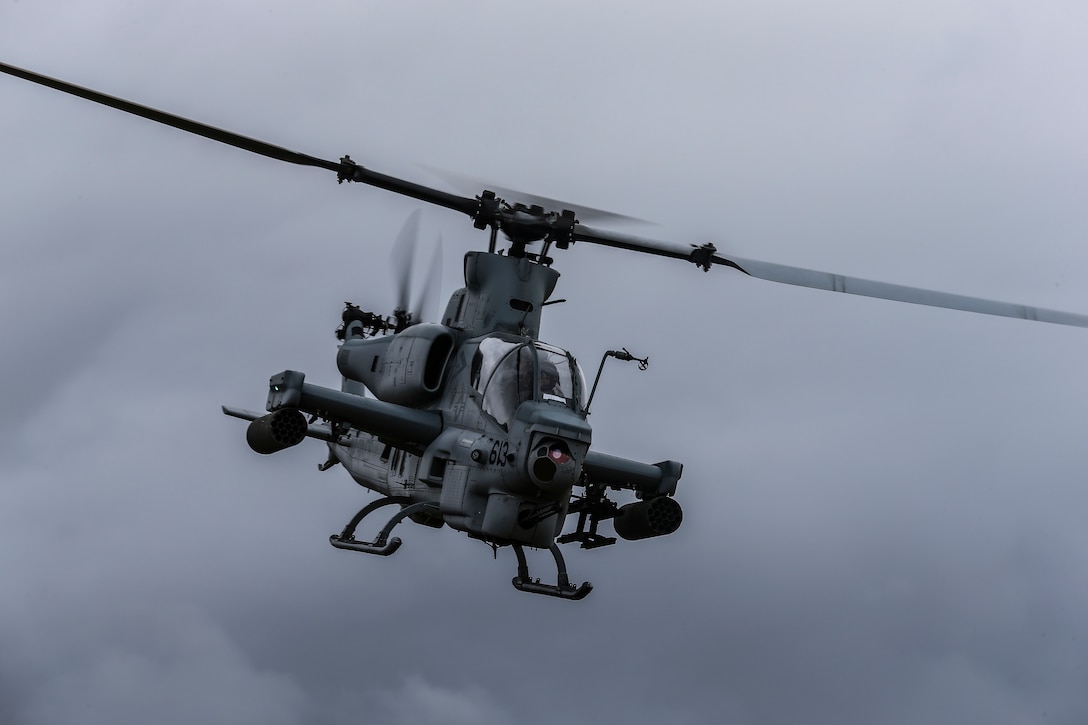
x,y
345,169
706,255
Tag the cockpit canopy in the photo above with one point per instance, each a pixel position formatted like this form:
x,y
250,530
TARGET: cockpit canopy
x,y
508,371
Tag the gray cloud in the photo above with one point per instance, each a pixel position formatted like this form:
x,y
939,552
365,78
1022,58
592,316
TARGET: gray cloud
x,y
882,502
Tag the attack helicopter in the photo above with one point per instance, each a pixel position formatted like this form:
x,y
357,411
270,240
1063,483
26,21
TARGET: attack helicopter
x,y
472,421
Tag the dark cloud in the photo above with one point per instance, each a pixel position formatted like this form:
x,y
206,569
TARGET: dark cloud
x,y
882,502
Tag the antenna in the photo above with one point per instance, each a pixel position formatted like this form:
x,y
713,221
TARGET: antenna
x,y
643,363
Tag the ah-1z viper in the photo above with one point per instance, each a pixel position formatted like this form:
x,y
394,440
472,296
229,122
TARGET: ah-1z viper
x,y
472,422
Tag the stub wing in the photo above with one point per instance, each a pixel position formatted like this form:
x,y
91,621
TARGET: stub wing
x,y
648,480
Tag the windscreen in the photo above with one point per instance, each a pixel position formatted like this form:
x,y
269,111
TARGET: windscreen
x,y
509,372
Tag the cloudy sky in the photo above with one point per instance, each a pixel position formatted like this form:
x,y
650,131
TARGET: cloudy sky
x,y
884,503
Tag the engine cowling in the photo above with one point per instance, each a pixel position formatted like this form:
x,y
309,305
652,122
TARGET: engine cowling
x,y
273,432
407,368
654,517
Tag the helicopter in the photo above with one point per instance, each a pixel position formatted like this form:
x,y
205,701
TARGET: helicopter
x,y
472,421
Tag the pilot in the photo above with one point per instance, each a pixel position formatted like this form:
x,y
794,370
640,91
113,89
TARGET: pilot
x,y
549,378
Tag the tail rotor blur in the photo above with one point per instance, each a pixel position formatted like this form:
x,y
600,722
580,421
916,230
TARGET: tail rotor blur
x,y
411,311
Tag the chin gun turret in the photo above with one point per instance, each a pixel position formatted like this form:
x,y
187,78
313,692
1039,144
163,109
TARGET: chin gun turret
x,y
654,517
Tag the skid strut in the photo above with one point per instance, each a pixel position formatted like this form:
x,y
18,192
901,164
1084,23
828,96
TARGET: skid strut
x,y
562,588
383,545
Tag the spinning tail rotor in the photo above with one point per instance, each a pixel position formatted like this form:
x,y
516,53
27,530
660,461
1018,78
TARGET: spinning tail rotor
x,y
407,312
411,311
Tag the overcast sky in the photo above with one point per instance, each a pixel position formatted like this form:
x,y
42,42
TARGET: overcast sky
x,y
884,504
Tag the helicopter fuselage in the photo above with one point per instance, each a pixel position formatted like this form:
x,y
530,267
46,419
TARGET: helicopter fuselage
x,y
497,476
471,423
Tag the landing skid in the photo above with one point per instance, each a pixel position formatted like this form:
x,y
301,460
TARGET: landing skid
x,y
383,545
562,588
